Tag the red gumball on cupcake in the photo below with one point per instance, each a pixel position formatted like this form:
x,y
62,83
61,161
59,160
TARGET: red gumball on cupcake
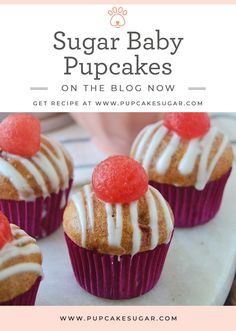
x,y
189,162
118,231
35,176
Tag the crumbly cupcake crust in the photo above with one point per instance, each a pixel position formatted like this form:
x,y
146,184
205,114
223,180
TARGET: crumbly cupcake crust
x,y
219,149
121,228
20,265
26,179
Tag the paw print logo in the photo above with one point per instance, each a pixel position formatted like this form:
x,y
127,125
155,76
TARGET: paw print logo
x,y
117,17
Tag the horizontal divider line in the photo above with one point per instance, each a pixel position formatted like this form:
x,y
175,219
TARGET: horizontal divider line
x,y
39,88
197,88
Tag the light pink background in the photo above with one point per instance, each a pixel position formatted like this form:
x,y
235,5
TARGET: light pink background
x,y
117,2
47,318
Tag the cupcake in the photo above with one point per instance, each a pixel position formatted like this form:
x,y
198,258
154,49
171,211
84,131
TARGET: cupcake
x,y
20,266
189,162
118,231
35,176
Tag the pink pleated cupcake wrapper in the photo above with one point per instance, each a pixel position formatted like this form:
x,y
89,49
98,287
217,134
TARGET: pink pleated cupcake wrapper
x,y
26,299
190,206
40,217
114,277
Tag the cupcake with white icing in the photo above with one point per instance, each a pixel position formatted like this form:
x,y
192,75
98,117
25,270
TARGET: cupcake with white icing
x,y
189,162
20,266
35,176
118,231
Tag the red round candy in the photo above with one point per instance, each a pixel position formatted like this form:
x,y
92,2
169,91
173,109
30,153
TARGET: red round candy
x,y
119,179
188,125
5,230
20,135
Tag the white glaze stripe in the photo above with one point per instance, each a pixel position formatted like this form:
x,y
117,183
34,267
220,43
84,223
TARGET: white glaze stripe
x,y
23,240
31,168
119,223
15,248
145,134
17,231
186,165
115,222
89,201
136,230
13,227
20,268
42,161
114,230
163,162
60,160
167,215
79,205
19,182
188,161
156,140
9,252
204,172
152,207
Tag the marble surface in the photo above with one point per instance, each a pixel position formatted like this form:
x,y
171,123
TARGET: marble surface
x,y
199,268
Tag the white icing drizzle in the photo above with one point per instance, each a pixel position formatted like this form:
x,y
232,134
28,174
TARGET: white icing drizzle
x,y
80,207
59,160
63,200
20,268
145,134
34,171
153,218
10,251
204,173
167,214
115,222
43,162
22,240
155,142
163,162
19,182
17,231
187,163
136,230
15,249
89,201
196,147
114,229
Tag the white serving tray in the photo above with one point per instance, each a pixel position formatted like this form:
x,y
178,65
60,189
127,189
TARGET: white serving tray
x,y
199,268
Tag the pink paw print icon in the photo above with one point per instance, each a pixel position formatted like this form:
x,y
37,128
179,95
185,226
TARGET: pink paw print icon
x,y
117,17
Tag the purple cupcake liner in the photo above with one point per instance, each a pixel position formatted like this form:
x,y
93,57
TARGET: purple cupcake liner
x,y
190,206
40,217
26,299
117,277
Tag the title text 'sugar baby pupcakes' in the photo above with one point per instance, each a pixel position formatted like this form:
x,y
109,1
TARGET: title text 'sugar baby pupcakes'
x,y
35,176
189,162
20,266
118,231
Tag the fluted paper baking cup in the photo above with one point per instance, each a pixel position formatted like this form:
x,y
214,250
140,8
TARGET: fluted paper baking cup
x,y
40,217
117,277
190,206
26,299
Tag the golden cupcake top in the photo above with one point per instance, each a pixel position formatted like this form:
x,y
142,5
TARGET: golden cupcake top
x,y
183,150
118,213
20,261
31,165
